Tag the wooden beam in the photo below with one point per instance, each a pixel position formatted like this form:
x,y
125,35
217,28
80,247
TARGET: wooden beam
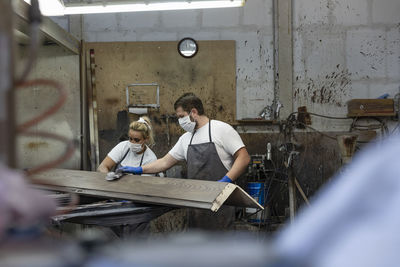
x,y
94,107
285,55
296,182
148,189
370,107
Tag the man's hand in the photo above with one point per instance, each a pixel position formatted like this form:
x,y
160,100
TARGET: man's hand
x,y
133,170
225,179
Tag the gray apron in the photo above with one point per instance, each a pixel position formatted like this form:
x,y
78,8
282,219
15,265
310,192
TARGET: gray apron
x,y
203,163
116,167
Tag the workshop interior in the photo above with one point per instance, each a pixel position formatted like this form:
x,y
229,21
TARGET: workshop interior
x,y
311,88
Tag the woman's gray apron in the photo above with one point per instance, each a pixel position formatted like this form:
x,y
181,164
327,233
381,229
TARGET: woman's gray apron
x,y
203,163
116,167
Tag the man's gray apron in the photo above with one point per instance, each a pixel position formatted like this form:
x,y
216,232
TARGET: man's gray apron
x,y
203,163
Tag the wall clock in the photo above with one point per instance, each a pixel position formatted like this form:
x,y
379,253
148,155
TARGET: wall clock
x,y
188,47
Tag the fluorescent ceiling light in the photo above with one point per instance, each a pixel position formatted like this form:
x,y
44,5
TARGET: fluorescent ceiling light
x,y
50,7
58,9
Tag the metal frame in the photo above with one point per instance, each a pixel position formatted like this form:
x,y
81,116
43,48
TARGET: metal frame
x,y
49,28
85,161
157,105
7,112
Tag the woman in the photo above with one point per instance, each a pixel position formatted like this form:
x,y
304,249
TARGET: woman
x,y
134,152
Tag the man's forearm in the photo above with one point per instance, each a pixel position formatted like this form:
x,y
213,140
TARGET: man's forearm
x,y
160,165
236,171
153,167
239,165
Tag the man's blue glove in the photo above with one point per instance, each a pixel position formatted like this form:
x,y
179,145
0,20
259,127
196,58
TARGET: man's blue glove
x,y
225,179
133,170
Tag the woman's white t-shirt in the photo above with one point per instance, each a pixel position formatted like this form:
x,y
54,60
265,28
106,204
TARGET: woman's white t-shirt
x,y
132,159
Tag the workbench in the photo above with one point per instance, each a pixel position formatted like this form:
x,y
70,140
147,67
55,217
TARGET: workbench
x,y
149,196
124,217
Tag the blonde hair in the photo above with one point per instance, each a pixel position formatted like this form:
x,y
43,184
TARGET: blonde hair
x,y
143,125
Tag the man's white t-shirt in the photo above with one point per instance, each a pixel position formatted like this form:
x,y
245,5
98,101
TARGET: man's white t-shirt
x,y
227,141
132,159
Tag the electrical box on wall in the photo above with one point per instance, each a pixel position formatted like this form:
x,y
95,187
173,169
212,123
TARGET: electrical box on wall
x,y
137,99
370,107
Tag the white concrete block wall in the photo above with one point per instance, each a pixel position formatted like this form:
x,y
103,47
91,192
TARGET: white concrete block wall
x,y
101,23
345,49
250,27
349,13
130,22
221,17
324,50
342,49
385,11
393,53
63,22
366,53
180,19
258,13
309,12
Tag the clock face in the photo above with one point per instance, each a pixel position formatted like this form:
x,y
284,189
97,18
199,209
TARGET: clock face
x,y
187,47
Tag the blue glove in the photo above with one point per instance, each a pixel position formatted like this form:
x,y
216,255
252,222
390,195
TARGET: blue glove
x,y
133,170
225,179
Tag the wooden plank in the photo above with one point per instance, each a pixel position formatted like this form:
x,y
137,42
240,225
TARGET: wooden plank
x,y
95,109
301,191
148,189
292,197
127,196
91,111
364,136
370,107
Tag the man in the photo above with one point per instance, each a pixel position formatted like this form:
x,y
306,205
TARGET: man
x,y
213,150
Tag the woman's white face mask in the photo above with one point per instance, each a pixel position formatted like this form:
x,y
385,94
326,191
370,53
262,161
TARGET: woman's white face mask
x,y
135,148
187,124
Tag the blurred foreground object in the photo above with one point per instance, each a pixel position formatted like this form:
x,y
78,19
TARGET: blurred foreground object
x,y
354,221
347,145
191,249
20,205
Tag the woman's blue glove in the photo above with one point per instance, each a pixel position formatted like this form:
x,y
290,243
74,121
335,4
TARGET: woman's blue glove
x,y
133,170
225,179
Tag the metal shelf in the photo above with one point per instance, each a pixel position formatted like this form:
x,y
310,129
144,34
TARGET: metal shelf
x,y
51,31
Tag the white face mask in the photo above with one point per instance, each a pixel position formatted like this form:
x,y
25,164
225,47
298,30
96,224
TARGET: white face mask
x,y
187,124
135,148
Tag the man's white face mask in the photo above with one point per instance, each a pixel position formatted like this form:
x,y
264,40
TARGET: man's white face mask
x,y
187,124
135,148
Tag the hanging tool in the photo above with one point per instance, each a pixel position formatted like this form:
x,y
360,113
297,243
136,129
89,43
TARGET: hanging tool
x,y
167,119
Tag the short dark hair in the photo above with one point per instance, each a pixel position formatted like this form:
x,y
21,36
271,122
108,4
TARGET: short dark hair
x,y
188,101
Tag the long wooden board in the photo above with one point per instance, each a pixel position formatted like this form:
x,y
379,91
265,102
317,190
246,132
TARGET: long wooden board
x,y
370,107
148,189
